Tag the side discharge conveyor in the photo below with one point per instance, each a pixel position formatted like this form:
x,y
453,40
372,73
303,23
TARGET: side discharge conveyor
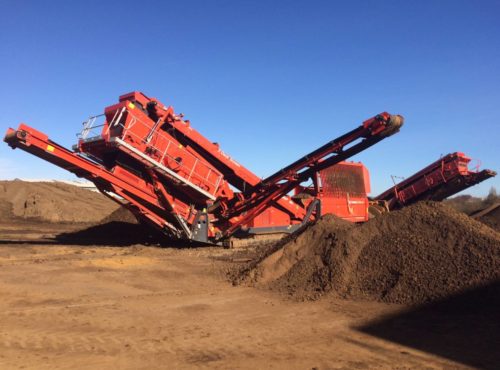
x,y
441,179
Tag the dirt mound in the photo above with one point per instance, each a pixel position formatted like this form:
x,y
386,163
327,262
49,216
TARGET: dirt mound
x,y
418,254
52,202
122,214
491,217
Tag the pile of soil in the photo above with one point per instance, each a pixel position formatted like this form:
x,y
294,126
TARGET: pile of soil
x,y
492,218
122,214
52,202
418,254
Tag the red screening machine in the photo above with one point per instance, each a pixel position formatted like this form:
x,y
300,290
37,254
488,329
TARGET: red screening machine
x,y
152,161
443,178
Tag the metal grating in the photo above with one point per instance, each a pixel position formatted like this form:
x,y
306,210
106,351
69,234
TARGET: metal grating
x,y
341,179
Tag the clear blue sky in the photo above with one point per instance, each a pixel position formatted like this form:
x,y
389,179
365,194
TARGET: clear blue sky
x,y
268,80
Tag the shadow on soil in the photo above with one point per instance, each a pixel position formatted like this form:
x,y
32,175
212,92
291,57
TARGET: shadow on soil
x,y
464,327
111,233
114,233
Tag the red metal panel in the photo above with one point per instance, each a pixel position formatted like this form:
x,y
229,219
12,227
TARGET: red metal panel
x,y
354,209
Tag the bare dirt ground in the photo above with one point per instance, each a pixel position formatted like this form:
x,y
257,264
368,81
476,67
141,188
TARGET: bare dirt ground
x,y
97,306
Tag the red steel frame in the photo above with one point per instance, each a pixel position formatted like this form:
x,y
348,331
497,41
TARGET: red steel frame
x,y
171,176
441,179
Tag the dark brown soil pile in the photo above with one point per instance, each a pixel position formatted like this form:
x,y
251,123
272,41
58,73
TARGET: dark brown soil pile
x,y
418,254
492,219
481,209
122,214
52,202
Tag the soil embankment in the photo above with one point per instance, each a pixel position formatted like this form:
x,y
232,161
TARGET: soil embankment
x,y
52,202
419,254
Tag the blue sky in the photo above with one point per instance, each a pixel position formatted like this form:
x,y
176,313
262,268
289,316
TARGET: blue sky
x,y
269,80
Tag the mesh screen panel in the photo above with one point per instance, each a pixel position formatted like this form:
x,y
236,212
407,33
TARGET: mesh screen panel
x,y
341,179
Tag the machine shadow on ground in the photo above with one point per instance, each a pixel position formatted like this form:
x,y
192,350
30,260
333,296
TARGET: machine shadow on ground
x,y
110,234
464,327
114,233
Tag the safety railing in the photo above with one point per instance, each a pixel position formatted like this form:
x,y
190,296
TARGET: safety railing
x,y
92,127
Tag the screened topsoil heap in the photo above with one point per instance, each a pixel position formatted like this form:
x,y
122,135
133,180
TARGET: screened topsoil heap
x,y
52,202
419,254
